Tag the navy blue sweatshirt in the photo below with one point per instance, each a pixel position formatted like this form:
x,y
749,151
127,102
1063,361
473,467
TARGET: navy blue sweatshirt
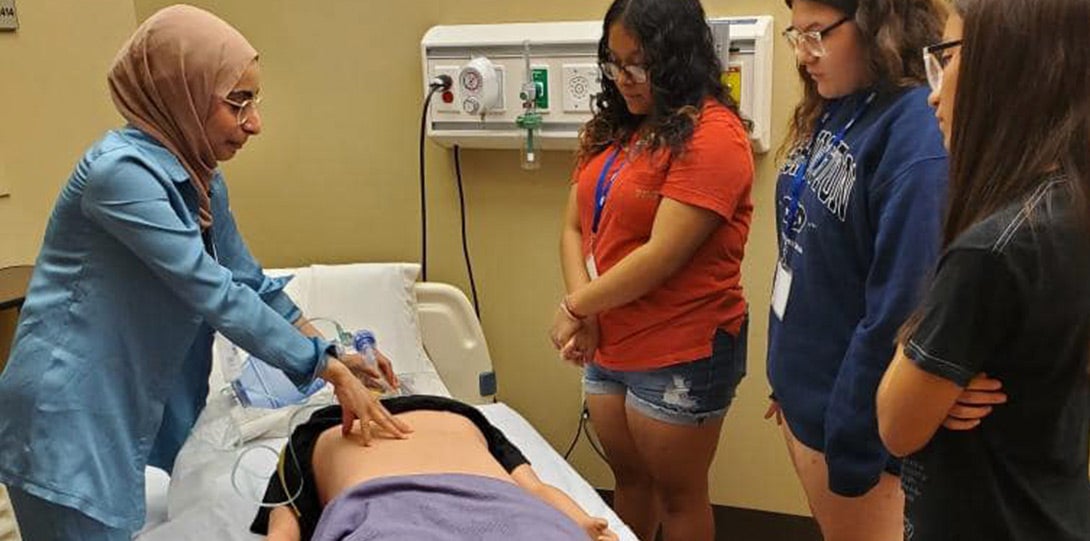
x,y
865,240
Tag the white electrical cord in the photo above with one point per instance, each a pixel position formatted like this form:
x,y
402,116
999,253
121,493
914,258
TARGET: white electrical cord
x,y
281,464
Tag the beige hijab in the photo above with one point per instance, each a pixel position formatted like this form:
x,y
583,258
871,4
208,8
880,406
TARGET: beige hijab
x,y
167,78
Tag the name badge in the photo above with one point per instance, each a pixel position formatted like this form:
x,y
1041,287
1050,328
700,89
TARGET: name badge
x,y
781,290
592,267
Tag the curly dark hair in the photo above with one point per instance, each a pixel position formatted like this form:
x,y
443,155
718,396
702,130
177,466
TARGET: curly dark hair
x,y
684,70
893,33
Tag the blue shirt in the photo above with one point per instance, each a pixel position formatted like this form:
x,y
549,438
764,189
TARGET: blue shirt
x,y
863,243
112,353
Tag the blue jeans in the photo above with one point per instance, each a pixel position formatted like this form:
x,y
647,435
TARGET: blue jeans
x,y
42,520
682,394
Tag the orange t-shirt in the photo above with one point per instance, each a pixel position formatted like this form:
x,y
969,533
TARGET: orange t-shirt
x,y
675,322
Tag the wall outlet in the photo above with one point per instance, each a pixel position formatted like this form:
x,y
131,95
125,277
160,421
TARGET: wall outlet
x,y
8,19
440,98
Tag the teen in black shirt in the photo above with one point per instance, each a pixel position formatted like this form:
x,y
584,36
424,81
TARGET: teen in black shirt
x,y
1011,296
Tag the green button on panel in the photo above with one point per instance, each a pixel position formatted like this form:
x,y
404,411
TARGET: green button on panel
x,y
541,81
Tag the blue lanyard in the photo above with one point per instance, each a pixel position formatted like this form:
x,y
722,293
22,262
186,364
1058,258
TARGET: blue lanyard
x,y
601,191
799,179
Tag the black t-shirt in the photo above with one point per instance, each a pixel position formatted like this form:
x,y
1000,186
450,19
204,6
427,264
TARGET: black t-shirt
x,y
306,503
1011,298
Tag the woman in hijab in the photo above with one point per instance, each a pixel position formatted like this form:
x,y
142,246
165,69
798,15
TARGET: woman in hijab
x,y
140,264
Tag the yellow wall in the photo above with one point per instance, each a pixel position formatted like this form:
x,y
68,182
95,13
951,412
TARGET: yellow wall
x,y
333,179
53,103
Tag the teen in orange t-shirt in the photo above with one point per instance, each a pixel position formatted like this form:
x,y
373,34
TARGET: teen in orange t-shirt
x,y
652,247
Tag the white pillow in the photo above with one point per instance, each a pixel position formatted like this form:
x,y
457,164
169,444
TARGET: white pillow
x,y
375,296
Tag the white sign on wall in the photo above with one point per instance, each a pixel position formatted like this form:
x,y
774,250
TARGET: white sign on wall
x,y
8,18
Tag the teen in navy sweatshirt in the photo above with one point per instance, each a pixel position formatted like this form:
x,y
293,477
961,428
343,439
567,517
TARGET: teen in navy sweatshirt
x,y
859,206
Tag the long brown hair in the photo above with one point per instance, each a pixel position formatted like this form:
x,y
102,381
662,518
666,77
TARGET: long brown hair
x,y
893,33
684,71
1022,108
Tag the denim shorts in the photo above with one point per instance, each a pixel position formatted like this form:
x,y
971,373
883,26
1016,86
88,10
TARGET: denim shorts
x,y
682,394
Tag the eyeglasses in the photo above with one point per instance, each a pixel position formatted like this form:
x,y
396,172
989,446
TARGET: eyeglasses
x,y
810,42
935,59
637,73
246,108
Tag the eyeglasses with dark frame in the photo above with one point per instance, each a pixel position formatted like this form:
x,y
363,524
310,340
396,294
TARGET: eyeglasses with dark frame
x,y
637,73
810,42
935,59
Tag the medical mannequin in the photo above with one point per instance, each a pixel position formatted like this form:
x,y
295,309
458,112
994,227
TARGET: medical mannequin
x,y
457,477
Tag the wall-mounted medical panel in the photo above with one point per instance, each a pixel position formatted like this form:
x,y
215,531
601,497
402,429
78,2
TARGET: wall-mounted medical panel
x,y
748,71
488,64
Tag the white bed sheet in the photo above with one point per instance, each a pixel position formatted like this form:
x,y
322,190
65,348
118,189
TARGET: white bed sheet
x,y
205,506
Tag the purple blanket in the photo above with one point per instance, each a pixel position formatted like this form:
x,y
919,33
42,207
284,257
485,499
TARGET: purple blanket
x,y
445,507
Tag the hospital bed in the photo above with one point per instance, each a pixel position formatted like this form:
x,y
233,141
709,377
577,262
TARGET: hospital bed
x,y
434,341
